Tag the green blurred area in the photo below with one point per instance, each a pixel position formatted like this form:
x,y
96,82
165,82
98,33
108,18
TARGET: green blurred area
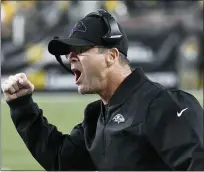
x,y
63,110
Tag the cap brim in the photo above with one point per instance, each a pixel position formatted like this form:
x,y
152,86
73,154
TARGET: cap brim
x,y
63,46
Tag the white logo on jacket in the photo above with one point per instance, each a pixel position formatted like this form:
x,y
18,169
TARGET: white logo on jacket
x,y
179,114
118,118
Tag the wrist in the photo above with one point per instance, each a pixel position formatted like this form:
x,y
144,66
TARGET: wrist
x,y
20,101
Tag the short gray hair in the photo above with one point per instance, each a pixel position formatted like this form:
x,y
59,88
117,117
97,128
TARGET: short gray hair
x,y
123,59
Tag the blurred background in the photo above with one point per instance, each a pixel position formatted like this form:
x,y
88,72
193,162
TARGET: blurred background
x,y
165,39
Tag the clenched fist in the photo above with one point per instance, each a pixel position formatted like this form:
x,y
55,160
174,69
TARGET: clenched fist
x,y
16,86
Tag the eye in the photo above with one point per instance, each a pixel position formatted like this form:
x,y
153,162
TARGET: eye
x,y
71,57
80,50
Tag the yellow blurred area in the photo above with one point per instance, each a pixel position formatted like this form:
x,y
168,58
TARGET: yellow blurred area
x,y
111,5
34,53
63,5
38,79
8,11
191,48
26,4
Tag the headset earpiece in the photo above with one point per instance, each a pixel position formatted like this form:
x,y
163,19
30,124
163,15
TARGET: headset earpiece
x,y
113,35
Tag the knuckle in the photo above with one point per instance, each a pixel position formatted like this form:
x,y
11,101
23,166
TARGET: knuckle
x,y
10,77
12,82
15,85
5,81
8,90
17,75
12,91
23,75
11,88
20,76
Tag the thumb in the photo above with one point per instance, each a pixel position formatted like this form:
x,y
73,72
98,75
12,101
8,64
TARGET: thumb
x,y
22,76
23,81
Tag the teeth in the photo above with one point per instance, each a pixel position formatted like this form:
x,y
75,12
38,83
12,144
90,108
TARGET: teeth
x,y
77,74
75,70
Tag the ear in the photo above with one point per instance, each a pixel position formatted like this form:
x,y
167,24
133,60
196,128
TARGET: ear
x,y
112,56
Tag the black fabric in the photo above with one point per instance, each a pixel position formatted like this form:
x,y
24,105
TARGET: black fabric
x,y
104,110
16,103
176,138
51,148
106,107
87,32
141,131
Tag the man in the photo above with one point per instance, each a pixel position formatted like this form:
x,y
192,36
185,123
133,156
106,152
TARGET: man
x,y
137,124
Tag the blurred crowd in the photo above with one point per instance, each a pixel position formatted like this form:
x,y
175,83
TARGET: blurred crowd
x,y
49,14
26,24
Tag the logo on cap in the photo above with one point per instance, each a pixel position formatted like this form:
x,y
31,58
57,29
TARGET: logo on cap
x,y
79,26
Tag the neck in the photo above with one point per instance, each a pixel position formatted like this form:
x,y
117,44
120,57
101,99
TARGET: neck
x,y
113,81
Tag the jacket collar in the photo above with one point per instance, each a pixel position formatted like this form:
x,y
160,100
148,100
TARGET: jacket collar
x,y
124,91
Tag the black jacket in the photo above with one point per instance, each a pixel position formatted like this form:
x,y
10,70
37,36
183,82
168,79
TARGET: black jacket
x,y
139,131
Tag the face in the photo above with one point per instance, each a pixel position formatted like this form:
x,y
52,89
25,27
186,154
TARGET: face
x,y
89,68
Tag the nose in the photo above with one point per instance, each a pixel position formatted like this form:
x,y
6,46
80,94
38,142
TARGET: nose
x,y
72,57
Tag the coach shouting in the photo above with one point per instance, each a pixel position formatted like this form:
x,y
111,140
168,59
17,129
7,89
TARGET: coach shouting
x,y
136,125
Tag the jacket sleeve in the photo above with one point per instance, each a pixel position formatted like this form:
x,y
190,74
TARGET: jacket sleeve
x,y
52,149
177,139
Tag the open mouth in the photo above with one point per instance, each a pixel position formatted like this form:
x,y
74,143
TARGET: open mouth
x,y
77,74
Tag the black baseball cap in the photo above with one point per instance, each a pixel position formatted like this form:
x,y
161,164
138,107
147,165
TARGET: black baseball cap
x,y
87,32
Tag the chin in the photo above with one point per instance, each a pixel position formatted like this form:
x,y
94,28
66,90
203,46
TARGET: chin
x,y
85,90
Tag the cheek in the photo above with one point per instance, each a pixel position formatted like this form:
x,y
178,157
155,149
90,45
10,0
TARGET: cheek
x,y
93,66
